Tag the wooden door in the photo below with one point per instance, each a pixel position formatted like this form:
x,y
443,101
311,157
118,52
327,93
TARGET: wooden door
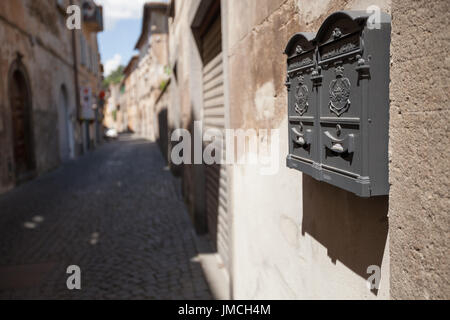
x,y
21,125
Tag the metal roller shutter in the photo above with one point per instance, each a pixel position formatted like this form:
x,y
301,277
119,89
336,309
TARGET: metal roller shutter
x,y
214,118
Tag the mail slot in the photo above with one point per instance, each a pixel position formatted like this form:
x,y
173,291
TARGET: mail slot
x,y
338,102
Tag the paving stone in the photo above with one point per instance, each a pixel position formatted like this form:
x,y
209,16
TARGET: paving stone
x,y
131,242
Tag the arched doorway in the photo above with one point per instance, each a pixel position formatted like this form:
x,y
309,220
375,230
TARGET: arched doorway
x,y
22,132
65,126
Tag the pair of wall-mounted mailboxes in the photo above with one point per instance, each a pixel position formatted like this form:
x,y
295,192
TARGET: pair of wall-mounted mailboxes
x,y
338,101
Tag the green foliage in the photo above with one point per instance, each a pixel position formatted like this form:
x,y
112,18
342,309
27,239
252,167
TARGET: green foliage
x,y
115,77
163,85
167,70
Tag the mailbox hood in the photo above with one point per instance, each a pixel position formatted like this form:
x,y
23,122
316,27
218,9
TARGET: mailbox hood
x,y
299,37
354,19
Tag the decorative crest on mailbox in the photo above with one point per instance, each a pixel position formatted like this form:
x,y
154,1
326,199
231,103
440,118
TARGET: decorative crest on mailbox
x,y
340,93
301,96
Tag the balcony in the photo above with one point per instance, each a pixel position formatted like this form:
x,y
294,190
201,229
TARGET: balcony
x,y
92,16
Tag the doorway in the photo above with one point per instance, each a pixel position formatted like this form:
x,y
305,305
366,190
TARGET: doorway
x,y
66,145
22,132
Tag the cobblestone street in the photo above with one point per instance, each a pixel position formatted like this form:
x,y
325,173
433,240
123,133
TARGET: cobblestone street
x,y
117,213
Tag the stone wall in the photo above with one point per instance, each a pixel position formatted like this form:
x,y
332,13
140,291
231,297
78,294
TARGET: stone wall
x,y
419,141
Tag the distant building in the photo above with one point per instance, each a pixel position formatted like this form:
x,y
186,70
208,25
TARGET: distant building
x,y
146,75
129,112
49,108
112,107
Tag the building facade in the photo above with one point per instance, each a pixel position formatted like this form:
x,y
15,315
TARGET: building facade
x,y
89,75
146,74
286,235
112,107
129,114
39,122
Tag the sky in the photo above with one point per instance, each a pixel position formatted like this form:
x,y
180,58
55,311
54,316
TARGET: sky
x,y
123,25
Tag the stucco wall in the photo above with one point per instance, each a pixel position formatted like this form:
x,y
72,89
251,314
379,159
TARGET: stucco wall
x,y
419,143
294,237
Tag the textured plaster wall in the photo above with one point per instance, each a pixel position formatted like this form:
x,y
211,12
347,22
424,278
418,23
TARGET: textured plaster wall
x,y
419,144
294,237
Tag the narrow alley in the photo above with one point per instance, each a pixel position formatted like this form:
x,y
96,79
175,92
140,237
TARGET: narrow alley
x,y
117,214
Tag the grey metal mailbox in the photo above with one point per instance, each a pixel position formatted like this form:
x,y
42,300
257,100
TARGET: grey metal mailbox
x,y
338,102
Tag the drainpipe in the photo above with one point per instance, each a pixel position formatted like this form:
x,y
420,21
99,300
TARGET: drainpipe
x,y
76,78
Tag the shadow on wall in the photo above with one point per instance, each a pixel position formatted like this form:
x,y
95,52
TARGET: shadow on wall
x,y
201,186
194,182
354,230
192,175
